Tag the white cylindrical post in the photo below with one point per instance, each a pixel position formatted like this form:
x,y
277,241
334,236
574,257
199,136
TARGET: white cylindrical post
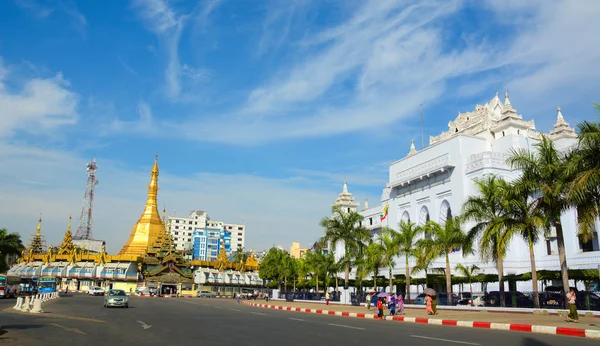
x,y
25,306
18,304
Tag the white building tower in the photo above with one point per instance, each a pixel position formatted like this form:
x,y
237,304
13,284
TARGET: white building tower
x,y
345,201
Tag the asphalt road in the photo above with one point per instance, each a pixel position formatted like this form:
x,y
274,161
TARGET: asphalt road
x,y
81,320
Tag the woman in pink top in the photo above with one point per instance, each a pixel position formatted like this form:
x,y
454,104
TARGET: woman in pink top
x,y
428,305
572,299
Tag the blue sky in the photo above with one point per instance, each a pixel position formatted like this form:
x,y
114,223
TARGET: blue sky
x,y
260,109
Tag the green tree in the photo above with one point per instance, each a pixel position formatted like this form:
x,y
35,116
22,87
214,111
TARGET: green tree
x,y
10,244
239,255
407,246
374,260
390,242
487,211
443,241
345,226
425,258
525,219
315,262
290,269
545,169
272,266
468,272
583,169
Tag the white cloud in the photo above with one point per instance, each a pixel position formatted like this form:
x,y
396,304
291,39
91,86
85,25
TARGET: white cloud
x,y
44,10
394,57
37,105
275,210
162,19
277,24
37,9
556,42
143,124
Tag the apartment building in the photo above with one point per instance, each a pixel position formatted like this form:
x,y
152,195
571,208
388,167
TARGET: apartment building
x,y
199,237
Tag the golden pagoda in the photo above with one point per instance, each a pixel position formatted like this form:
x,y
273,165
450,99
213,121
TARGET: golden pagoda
x,y
150,225
37,245
67,246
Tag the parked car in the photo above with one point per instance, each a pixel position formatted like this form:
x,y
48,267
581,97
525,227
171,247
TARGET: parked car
x,y
96,291
420,300
442,299
476,301
587,300
553,298
205,294
520,300
116,298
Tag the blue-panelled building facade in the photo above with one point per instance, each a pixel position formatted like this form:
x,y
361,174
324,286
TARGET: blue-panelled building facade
x,y
208,241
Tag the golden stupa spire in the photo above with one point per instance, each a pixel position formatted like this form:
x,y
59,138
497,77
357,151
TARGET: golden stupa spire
x,y
150,224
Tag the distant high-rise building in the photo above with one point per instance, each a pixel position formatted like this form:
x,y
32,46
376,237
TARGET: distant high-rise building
x,y
199,237
238,235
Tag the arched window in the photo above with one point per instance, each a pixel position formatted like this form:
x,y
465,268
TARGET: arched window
x,y
423,218
405,217
445,213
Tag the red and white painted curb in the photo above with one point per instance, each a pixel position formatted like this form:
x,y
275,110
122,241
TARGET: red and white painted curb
x,y
585,333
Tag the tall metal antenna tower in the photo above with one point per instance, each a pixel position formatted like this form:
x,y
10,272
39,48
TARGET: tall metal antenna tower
x,y
85,221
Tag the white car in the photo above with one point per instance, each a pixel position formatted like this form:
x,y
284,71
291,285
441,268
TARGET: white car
x,y
96,291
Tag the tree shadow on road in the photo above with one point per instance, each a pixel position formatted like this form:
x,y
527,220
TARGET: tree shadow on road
x,y
5,337
7,327
532,342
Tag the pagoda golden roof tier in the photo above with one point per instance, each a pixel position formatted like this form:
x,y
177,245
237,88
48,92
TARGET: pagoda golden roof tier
x,y
150,225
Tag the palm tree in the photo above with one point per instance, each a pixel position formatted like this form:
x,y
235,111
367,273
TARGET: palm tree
x,y
524,218
407,245
315,263
239,255
302,270
391,247
468,272
425,258
584,171
345,227
362,270
374,260
10,244
330,268
487,211
443,242
546,171
290,269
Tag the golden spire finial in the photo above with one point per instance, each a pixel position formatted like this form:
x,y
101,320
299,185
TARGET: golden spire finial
x,y
155,167
153,187
39,227
69,225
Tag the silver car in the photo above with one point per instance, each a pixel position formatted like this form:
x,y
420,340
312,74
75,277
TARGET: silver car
x,y
205,294
116,298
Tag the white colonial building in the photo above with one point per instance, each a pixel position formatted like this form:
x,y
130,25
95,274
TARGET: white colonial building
x,y
433,183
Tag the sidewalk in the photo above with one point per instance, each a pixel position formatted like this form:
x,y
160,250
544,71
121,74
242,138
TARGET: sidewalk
x,y
548,324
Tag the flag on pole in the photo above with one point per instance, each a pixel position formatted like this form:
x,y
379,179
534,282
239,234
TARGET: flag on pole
x,y
384,212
